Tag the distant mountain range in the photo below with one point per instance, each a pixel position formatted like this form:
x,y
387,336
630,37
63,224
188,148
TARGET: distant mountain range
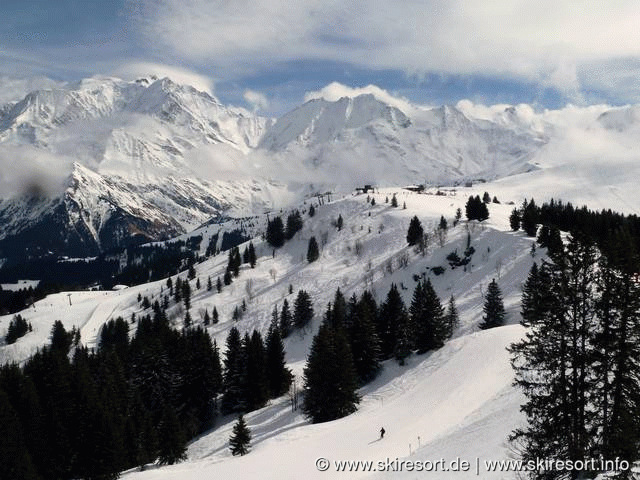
x,y
106,162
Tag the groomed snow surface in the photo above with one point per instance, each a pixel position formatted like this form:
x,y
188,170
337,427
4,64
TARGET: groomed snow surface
x,y
456,402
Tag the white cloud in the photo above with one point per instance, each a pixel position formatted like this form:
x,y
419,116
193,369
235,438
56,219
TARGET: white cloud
x,y
14,89
335,91
131,71
40,171
542,41
256,99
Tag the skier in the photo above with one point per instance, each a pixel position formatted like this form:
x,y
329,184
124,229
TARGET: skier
x,y
382,432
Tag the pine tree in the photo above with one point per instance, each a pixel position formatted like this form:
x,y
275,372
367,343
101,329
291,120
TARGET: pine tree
x,y
312,211
278,375
206,320
363,337
313,251
240,440
234,373
430,329
252,255
476,209
486,198
340,222
330,382
553,363
294,224
617,350
60,339
172,447
458,216
302,310
514,220
493,308
452,319
393,314
275,232
394,201
256,388
227,278
219,285
215,318
286,321
209,284
186,295
530,218
336,314
415,232
443,223
18,327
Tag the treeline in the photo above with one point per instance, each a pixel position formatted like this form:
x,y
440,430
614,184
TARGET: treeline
x,y
133,265
128,404
277,234
12,301
356,335
600,226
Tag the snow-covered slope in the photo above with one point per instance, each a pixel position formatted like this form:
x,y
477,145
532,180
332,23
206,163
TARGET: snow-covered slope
x,y
458,400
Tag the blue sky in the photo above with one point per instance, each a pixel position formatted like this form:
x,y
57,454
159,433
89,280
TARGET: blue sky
x,y
268,54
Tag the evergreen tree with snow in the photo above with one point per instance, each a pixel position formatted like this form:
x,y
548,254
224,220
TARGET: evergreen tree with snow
x,y
214,316
493,308
294,224
313,252
429,324
240,440
530,216
61,340
286,321
443,223
275,232
234,373
452,319
394,201
252,255
302,310
278,375
256,388
514,220
392,315
553,362
415,232
330,381
363,337
172,447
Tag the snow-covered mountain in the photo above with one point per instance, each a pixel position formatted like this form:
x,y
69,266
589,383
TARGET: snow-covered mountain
x,y
106,160
373,141
122,159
